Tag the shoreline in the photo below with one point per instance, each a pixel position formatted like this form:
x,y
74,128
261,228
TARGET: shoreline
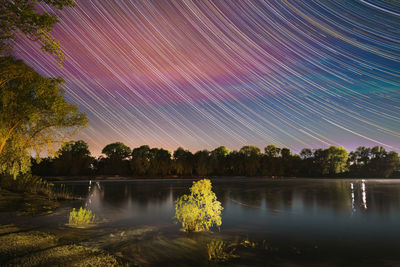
x,y
175,177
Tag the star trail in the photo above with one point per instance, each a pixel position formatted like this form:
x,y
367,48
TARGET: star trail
x,y
201,74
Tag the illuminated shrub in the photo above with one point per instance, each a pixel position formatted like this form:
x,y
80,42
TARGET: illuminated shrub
x,y
81,217
200,210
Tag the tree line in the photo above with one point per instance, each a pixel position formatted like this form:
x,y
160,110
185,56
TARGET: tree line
x,y
74,159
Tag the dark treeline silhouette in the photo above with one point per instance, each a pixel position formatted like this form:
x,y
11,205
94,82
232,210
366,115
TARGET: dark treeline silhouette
x,y
74,159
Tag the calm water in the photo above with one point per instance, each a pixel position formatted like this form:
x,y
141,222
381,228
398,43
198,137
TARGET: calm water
x,y
290,221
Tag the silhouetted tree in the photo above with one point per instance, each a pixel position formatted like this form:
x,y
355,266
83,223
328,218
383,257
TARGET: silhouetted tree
x,y
359,160
219,157
116,161
183,161
272,151
73,159
117,151
307,165
382,163
202,163
250,156
270,161
248,161
160,162
140,162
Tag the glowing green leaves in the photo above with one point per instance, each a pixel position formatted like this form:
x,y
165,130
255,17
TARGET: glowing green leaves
x,y
200,210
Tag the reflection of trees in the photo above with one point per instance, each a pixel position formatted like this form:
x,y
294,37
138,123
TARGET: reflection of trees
x,y
95,196
141,193
338,196
383,197
273,199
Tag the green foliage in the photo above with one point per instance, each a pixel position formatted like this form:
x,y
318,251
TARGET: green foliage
x,y
219,250
27,183
272,151
24,17
200,210
331,161
337,159
33,115
81,217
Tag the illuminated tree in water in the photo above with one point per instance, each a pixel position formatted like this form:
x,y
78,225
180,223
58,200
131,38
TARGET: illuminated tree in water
x,y
199,210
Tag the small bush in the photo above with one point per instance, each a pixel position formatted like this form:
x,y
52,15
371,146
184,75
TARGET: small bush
x,y
200,210
81,217
220,251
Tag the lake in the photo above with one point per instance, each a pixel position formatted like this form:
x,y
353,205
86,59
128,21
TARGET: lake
x,y
267,221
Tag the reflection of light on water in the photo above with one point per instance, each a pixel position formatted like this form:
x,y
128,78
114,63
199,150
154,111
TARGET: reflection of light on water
x,y
95,196
363,203
353,208
364,194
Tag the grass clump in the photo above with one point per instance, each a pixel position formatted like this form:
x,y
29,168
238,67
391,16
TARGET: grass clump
x,y
200,210
81,217
28,183
219,250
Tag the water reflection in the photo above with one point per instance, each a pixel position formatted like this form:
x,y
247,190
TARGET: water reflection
x,y
155,199
353,218
358,196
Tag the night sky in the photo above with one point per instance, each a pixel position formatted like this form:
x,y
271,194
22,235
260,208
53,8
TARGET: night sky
x,y
201,74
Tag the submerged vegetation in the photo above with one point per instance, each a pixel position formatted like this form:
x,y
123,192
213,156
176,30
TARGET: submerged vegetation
x,y
81,217
199,210
19,247
219,250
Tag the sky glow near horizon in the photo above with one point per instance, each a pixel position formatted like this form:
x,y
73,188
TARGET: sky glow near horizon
x,y
200,74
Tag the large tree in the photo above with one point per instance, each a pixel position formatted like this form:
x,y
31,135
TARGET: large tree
x,y
117,151
117,159
74,159
183,160
160,162
33,115
26,18
202,162
218,159
140,162
251,156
